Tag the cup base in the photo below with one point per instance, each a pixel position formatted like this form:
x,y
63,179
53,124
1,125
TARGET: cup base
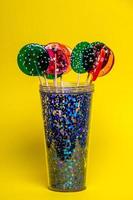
x,y
66,190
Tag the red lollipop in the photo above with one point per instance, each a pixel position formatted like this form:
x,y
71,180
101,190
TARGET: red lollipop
x,y
98,65
59,61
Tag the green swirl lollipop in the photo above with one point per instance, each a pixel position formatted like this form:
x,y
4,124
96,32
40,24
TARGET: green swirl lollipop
x,y
82,57
33,59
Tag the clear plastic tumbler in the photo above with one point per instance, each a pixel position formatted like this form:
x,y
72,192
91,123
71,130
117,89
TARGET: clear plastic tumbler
x,y
66,116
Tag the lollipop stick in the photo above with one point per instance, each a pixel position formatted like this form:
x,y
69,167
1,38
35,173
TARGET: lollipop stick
x,y
40,80
55,79
62,85
61,81
39,76
46,82
88,75
78,79
90,79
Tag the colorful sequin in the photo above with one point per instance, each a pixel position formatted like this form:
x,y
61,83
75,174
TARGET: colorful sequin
x,y
66,118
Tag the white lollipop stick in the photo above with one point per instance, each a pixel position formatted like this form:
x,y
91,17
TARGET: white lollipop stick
x,y
40,80
55,79
39,76
88,75
62,85
89,78
78,79
45,80
61,81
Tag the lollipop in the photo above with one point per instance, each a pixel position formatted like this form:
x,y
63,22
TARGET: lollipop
x,y
82,57
55,59
56,51
108,59
33,59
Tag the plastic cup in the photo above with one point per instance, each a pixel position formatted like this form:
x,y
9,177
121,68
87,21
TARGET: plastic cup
x,y
66,116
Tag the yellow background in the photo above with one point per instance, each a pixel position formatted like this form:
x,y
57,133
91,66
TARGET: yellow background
x,y
22,160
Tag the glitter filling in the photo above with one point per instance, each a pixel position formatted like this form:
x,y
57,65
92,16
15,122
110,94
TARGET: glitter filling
x,y
66,125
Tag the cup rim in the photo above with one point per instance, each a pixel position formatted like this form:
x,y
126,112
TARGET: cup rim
x,y
67,87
